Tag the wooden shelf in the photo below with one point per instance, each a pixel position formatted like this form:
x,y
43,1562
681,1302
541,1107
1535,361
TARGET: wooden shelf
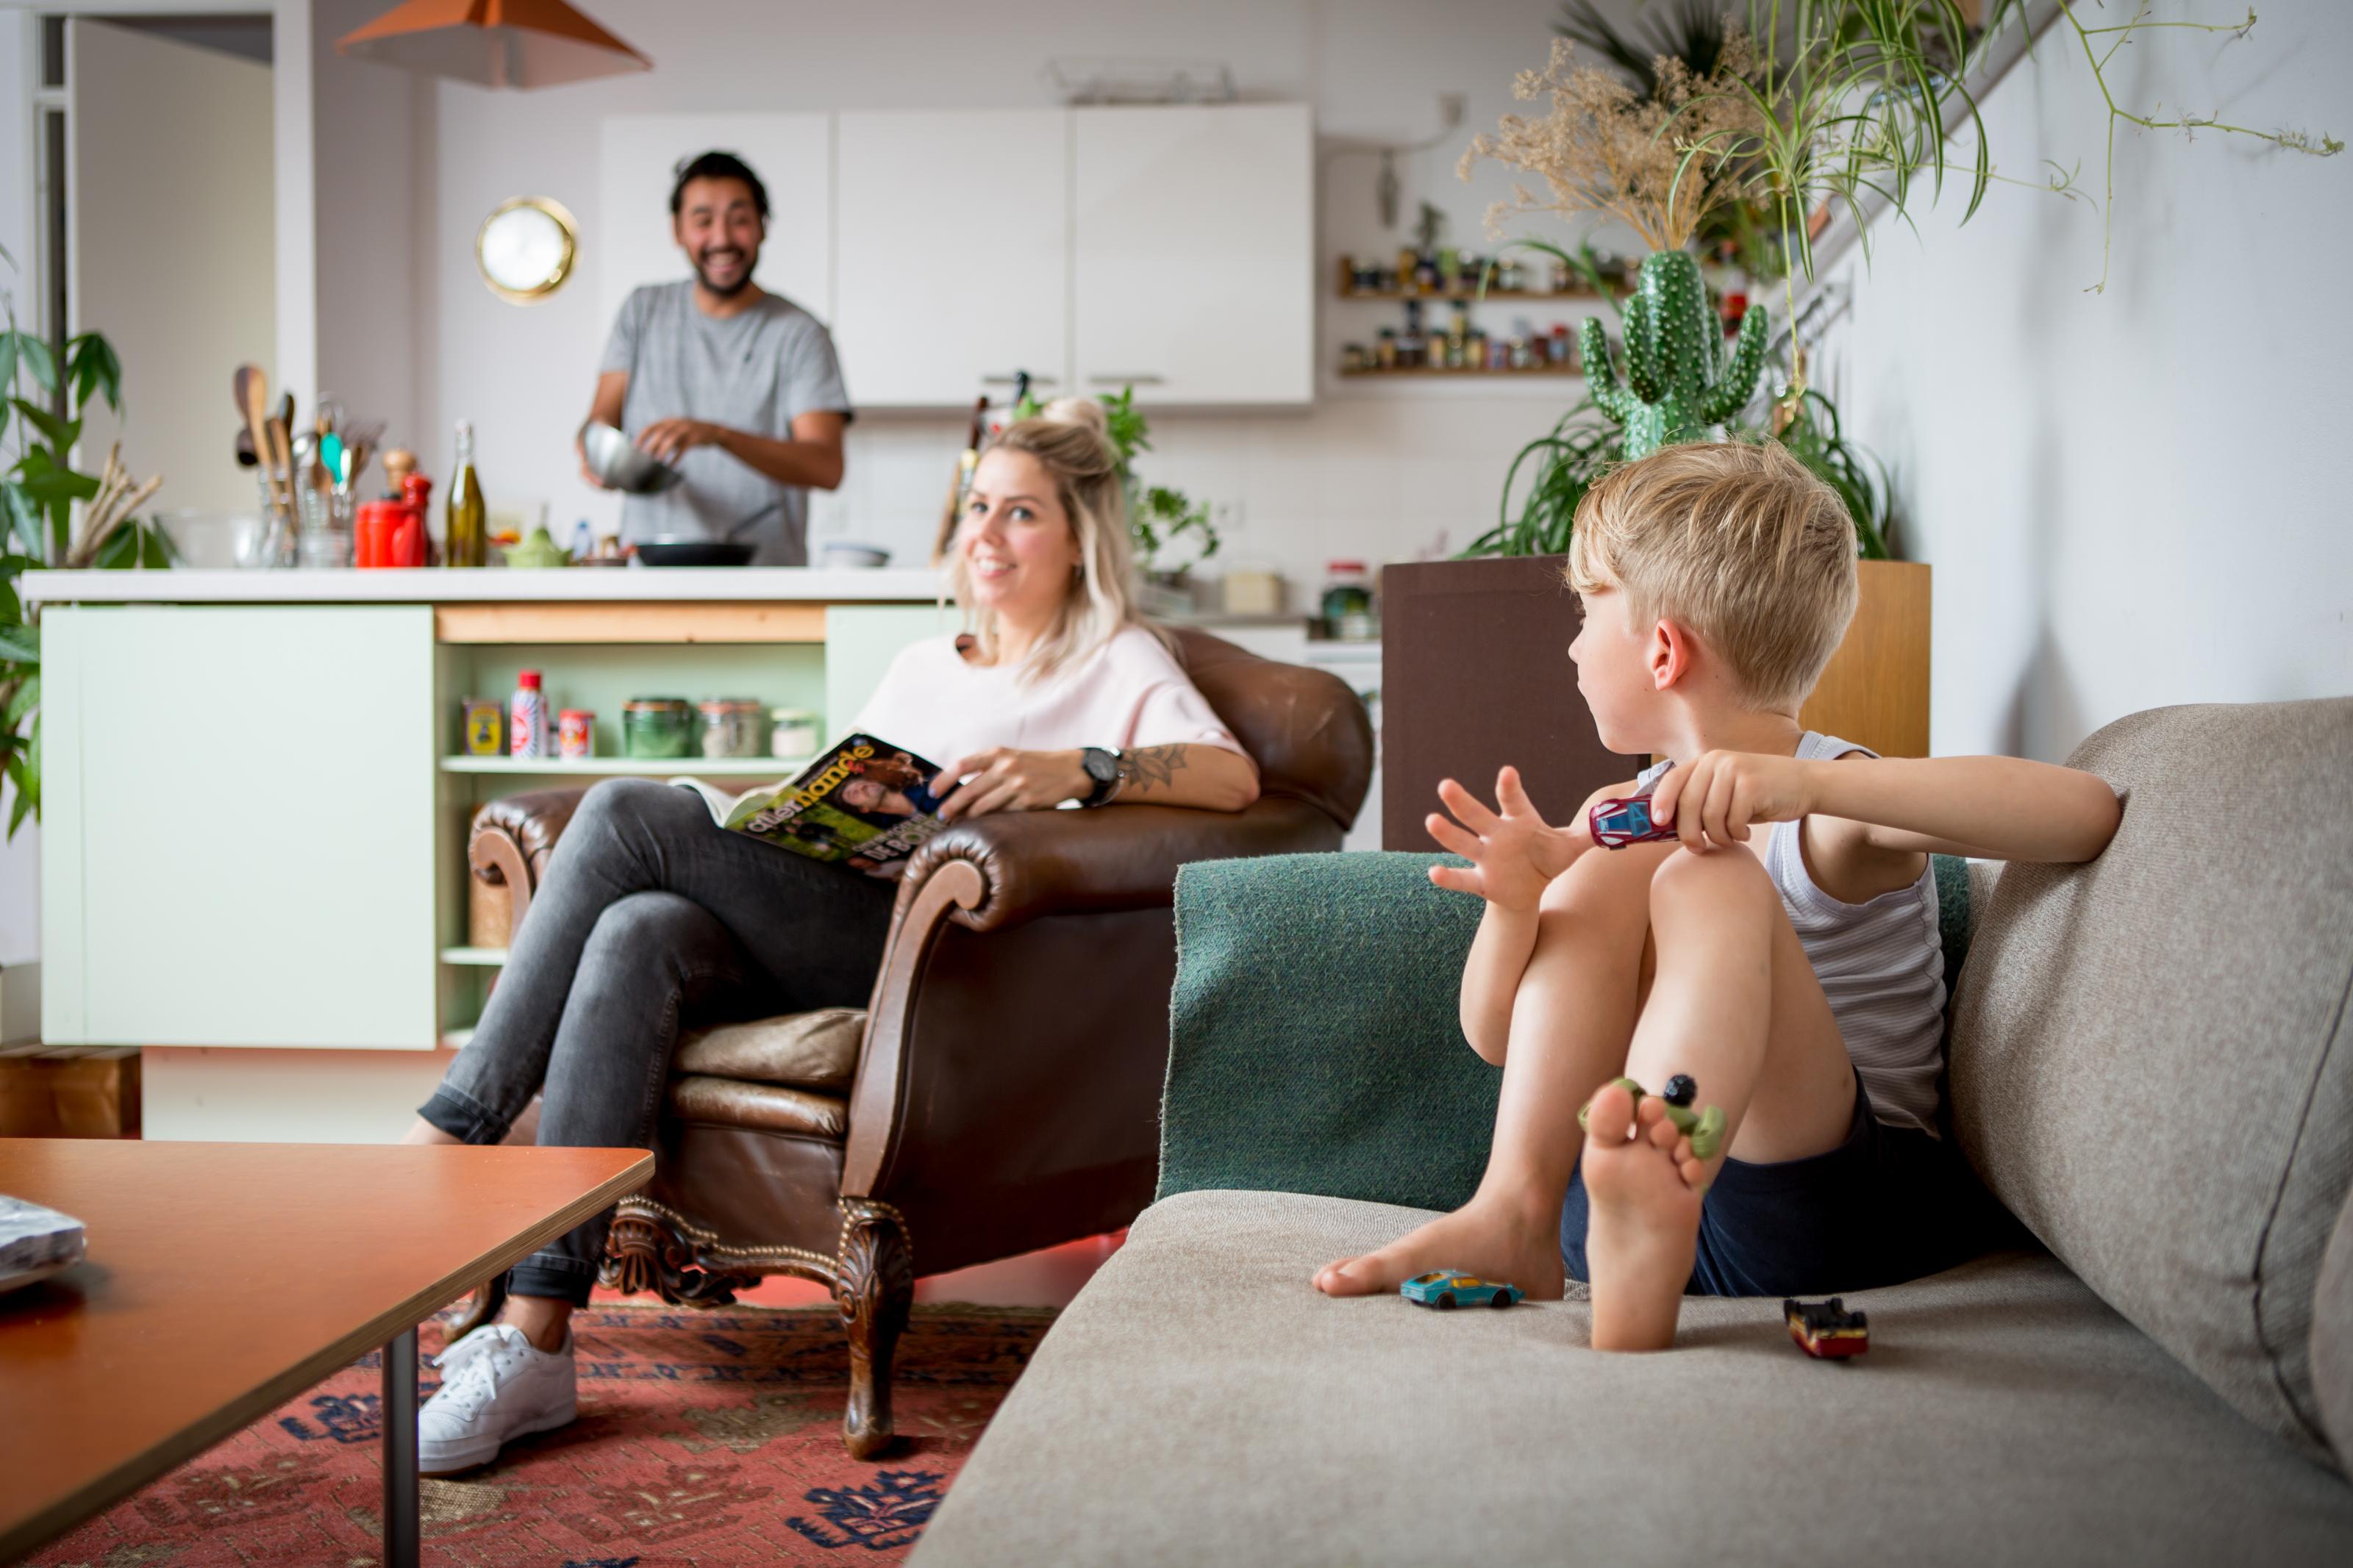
x,y
630,767
478,957
1441,372
1446,296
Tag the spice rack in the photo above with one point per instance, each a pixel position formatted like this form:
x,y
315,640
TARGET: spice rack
x,y
1441,372
762,766
1350,291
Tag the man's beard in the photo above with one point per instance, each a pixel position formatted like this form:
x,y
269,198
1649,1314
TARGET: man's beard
x,y
743,281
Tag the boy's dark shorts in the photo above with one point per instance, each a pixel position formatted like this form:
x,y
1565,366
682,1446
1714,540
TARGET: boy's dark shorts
x,y
1890,1203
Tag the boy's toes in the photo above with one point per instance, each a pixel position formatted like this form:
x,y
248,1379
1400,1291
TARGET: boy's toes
x,y
1609,1117
1664,1133
1350,1277
1650,1113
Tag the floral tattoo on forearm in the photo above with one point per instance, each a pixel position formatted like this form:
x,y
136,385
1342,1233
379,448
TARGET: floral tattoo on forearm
x,y
1150,767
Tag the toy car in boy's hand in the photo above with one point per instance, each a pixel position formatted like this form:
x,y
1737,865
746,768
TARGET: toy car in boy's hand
x,y
1626,820
1446,1290
1826,1330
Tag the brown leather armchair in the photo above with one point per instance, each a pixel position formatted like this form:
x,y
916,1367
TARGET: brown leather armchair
x,y
1002,1091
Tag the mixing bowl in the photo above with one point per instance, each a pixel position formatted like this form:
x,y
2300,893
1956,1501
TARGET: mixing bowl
x,y
622,464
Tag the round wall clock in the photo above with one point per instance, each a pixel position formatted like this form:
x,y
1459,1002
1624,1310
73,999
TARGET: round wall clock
x,y
526,248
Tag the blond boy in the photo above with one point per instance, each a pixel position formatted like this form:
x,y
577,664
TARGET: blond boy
x,y
1782,950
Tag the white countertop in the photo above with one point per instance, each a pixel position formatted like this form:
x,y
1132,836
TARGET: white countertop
x,y
598,584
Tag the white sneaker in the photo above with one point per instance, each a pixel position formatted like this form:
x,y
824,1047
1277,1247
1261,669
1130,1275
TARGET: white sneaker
x,y
495,1384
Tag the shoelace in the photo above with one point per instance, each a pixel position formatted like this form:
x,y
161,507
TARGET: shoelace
x,y
469,1369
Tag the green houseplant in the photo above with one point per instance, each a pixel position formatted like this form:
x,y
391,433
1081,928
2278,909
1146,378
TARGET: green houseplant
x,y
1158,517
39,492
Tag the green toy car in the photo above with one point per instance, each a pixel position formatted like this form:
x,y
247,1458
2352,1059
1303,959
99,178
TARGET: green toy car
x,y
1447,1289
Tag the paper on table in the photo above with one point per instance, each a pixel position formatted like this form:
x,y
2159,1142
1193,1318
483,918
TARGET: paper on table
x,y
34,1242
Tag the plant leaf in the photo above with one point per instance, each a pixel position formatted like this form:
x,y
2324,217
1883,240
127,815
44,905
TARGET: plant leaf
x,y
36,358
7,361
27,698
94,367
21,643
60,434
26,777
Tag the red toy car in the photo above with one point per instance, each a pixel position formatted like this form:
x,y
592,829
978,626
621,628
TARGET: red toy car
x,y
1625,820
1826,1330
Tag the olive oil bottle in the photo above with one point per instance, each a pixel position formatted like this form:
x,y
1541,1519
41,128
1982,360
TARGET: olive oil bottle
x,y
465,542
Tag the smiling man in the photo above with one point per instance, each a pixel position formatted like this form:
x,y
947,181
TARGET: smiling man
x,y
737,388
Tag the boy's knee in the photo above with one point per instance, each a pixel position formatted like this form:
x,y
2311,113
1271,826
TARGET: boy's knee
x,y
1597,879
1721,878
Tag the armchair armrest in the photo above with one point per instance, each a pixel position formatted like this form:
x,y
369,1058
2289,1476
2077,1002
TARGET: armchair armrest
x,y
512,837
1036,863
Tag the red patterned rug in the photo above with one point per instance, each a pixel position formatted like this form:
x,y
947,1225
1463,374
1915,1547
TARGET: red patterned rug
x,y
705,1438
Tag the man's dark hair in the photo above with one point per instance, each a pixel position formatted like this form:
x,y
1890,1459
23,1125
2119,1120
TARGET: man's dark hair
x,y
718,166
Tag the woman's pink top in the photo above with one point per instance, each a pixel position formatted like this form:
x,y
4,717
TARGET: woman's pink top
x,y
1131,693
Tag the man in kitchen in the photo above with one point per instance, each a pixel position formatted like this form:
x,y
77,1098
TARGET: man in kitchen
x,y
735,388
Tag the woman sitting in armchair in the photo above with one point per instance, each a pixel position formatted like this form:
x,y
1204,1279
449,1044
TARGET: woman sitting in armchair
x,y
649,911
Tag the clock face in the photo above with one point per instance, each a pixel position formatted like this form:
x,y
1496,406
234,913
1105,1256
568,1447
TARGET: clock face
x,y
526,248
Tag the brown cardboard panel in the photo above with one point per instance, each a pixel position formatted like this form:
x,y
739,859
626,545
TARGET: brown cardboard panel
x,y
1475,674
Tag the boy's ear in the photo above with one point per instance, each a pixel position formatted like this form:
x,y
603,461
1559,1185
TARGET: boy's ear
x,y
1670,655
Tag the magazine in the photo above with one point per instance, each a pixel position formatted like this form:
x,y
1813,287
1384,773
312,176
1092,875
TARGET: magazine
x,y
864,803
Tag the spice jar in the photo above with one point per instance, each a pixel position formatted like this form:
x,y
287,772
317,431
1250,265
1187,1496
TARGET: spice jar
x,y
792,732
576,735
731,727
1348,602
657,727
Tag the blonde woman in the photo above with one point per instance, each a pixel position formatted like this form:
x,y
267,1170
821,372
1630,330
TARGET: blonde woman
x,y
651,916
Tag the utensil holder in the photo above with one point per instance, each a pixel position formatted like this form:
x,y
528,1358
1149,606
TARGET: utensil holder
x,y
282,525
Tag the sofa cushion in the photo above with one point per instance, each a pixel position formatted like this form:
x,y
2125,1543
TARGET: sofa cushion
x,y
1200,1403
810,1050
2150,1064
2332,1338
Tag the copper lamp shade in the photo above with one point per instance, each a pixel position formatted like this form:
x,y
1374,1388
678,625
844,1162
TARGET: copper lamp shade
x,y
499,43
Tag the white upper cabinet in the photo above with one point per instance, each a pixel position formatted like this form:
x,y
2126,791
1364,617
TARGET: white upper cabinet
x,y
954,239
1193,257
792,153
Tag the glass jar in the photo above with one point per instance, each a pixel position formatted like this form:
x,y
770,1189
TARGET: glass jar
x,y
326,539
1348,602
731,727
791,733
654,727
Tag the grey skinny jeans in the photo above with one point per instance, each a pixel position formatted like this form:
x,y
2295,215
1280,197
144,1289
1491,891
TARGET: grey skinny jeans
x,y
650,916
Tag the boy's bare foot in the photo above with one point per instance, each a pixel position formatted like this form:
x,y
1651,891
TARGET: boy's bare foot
x,y
1642,1196
1513,1245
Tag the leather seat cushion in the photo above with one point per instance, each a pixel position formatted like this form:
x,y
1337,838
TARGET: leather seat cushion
x,y
765,1107
803,1050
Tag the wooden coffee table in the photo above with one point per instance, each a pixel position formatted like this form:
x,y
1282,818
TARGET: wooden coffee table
x,y
224,1279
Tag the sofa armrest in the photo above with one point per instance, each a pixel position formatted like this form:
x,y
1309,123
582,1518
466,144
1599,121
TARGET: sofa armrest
x,y
1035,863
1314,1045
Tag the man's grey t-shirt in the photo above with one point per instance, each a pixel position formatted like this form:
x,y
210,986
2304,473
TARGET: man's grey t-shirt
x,y
753,370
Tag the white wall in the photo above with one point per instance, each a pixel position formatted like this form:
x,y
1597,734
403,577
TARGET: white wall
x,y
1367,473
2134,498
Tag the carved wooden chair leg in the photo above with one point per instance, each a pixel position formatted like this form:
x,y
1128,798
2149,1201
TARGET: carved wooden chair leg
x,y
479,1309
874,1285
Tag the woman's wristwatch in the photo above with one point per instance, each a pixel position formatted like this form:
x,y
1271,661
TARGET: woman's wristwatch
x,y
1108,767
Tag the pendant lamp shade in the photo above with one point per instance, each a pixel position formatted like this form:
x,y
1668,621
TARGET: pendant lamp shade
x,y
498,43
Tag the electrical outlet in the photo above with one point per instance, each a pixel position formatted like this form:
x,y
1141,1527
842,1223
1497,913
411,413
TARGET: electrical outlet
x,y
1226,517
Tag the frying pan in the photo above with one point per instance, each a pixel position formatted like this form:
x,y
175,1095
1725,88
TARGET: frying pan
x,y
706,552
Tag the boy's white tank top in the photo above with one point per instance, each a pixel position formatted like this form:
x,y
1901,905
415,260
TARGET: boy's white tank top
x,y
1881,964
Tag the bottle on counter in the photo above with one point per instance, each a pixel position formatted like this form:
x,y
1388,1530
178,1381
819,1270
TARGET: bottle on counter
x,y
1347,603
527,718
467,541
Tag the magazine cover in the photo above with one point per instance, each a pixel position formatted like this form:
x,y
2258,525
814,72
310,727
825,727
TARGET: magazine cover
x,y
864,803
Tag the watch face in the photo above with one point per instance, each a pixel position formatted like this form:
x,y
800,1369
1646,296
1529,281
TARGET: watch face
x,y
1101,765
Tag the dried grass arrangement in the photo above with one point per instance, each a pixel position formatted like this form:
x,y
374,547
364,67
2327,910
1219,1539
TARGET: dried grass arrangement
x,y
1606,147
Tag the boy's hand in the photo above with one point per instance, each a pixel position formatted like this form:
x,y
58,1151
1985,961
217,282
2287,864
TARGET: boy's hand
x,y
1513,854
1713,801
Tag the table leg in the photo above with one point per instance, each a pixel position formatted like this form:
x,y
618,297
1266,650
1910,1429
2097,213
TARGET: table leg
x,y
400,1451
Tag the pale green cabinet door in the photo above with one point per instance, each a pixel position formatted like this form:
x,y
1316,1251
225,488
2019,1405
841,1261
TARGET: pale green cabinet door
x,y
237,835
860,641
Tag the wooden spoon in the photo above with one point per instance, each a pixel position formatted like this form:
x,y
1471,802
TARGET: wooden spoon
x,y
252,390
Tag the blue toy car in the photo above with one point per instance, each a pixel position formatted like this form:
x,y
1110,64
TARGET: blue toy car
x,y
1447,1290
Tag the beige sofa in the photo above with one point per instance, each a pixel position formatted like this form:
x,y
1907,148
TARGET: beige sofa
x,y
2151,1066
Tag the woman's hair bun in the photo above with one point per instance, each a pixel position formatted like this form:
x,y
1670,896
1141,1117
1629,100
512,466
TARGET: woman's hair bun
x,y
1083,411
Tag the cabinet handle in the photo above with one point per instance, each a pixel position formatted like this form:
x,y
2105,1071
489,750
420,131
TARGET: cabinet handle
x,y
1007,381
1145,380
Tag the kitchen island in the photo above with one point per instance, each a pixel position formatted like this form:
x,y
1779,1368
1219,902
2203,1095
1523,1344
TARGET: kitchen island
x,y
257,798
